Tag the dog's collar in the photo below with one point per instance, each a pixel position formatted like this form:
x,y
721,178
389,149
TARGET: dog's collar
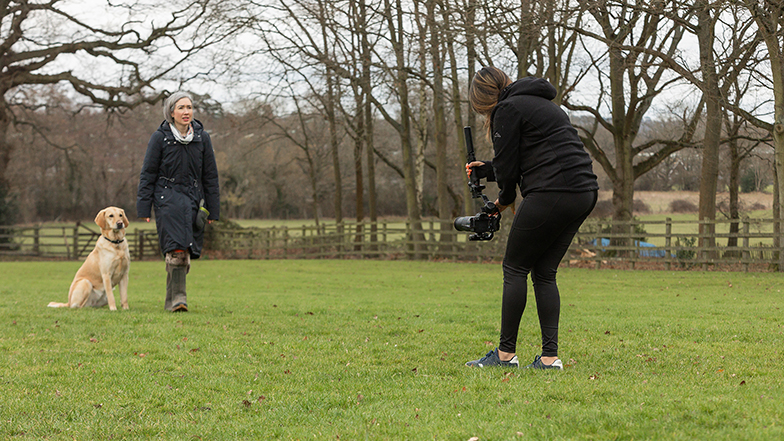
x,y
114,241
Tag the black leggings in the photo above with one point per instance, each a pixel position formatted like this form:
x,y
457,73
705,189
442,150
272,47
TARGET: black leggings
x,y
541,232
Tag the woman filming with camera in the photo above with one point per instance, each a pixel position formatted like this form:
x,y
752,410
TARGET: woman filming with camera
x,y
536,148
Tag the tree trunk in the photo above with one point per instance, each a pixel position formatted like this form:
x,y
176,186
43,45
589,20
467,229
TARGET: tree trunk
x,y
457,110
470,31
623,180
416,237
422,126
367,114
6,212
358,179
767,15
334,147
713,122
439,123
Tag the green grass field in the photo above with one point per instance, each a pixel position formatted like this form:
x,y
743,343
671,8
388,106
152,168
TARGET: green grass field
x,y
356,350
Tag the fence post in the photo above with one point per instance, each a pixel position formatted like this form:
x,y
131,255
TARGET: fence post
x,y
745,254
76,241
267,234
140,248
702,243
36,239
668,243
286,241
779,241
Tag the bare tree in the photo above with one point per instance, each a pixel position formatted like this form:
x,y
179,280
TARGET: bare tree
x,y
628,80
769,16
41,41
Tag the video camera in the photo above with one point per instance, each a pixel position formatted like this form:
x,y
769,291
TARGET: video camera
x,y
488,220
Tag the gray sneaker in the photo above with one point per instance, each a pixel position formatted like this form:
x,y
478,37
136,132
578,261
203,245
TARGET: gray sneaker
x,y
491,359
537,364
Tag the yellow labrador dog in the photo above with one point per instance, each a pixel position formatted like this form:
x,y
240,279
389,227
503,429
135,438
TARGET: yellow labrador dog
x,y
106,267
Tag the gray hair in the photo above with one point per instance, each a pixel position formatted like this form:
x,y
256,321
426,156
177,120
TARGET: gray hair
x,y
168,104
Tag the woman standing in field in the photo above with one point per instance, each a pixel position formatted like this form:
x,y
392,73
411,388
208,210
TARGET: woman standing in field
x,y
179,178
536,147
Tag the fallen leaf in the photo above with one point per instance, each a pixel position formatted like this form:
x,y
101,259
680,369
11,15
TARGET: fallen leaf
x,y
246,403
473,438
743,383
261,398
93,340
195,349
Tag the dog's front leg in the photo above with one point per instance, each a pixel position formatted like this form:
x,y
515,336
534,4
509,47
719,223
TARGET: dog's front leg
x,y
107,286
124,291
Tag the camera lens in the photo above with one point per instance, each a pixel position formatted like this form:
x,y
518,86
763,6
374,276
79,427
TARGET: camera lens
x,y
464,223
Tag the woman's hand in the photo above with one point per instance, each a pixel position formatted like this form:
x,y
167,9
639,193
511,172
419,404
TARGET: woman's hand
x,y
471,165
503,207
147,219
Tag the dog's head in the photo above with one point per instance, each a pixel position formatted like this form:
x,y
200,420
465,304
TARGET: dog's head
x,y
112,218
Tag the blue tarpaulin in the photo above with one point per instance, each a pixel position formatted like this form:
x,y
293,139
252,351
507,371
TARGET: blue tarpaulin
x,y
639,244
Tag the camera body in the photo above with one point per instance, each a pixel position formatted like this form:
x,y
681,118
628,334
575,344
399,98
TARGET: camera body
x,y
482,224
488,220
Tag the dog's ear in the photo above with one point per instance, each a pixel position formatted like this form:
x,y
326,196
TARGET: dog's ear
x,y
100,219
125,217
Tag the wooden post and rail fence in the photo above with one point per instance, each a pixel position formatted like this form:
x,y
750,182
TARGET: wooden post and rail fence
x,y
743,245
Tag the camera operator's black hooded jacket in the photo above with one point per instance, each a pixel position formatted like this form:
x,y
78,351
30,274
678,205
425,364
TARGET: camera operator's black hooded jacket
x,y
535,145
174,178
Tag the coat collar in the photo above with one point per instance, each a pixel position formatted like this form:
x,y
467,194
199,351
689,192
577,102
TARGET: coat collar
x,y
198,127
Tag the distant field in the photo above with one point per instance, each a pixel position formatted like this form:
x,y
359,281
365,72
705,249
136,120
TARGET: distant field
x,y
659,201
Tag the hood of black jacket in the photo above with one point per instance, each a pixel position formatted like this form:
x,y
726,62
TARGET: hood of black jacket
x,y
532,86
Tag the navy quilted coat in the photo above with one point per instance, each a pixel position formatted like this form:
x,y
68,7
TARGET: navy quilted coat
x,y
174,178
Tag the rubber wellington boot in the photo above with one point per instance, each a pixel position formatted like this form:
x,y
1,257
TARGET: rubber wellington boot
x,y
179,297
168,303
177,267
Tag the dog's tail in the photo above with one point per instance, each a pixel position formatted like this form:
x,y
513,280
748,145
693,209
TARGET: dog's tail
x,y
57,305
